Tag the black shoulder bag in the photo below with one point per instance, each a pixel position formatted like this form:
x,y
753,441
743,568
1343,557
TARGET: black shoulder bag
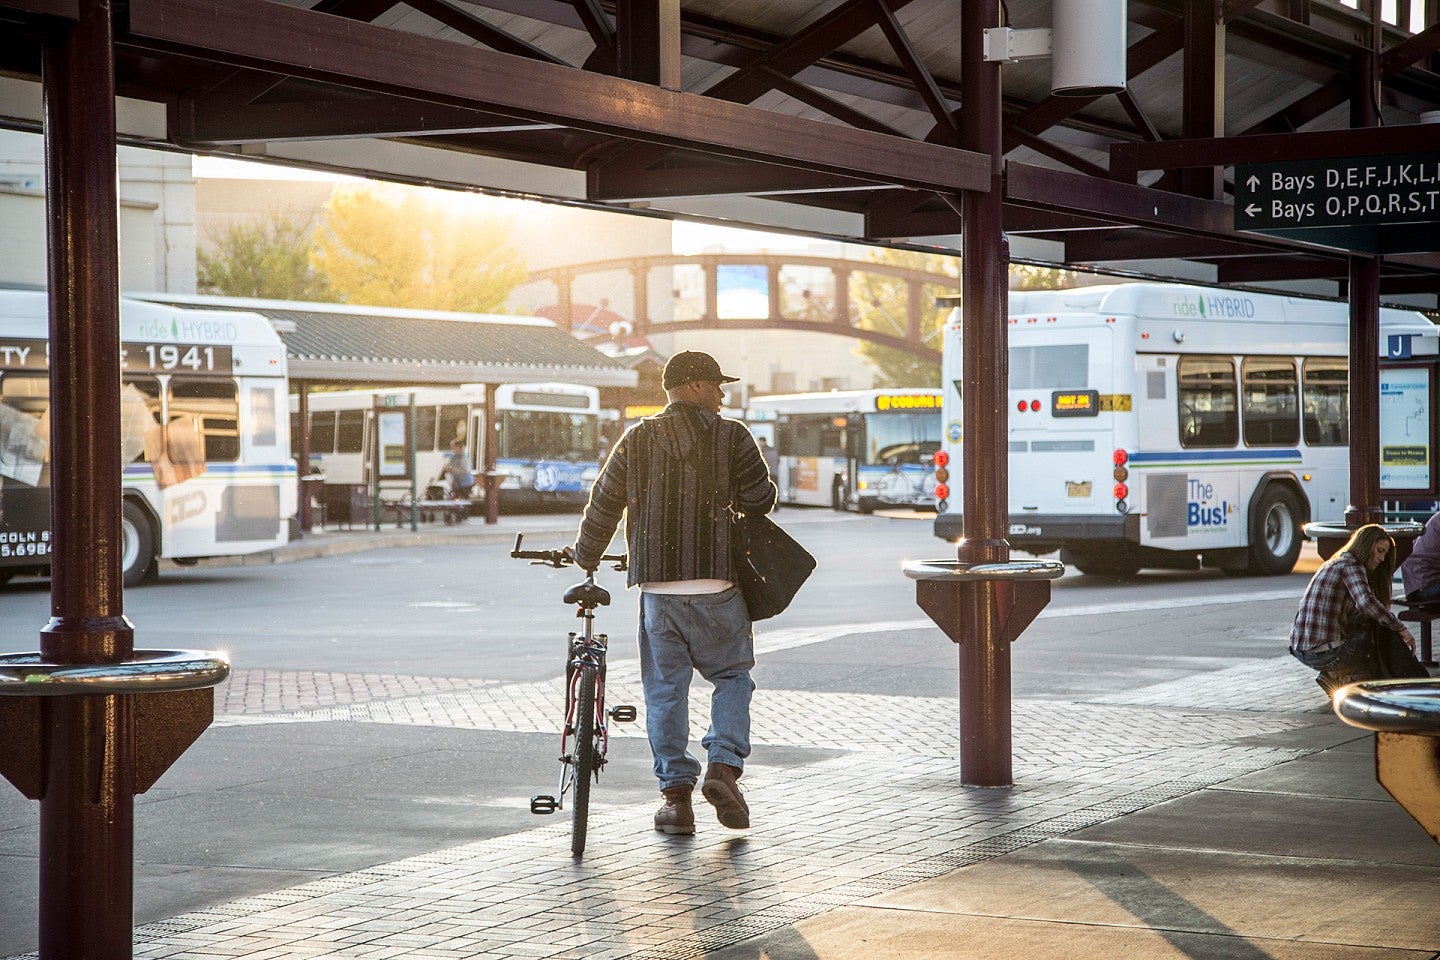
x,y
767,564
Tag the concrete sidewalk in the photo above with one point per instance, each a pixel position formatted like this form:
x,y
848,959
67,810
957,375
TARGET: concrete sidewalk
x,y
1227,815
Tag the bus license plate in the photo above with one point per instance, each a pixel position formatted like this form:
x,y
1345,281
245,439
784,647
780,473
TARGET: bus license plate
x,y
1073,489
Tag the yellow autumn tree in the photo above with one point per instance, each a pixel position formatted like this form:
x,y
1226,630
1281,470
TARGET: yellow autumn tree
x,y
880,301
396,248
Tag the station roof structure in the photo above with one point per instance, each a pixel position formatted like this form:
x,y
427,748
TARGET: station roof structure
x,y
840,118
338,343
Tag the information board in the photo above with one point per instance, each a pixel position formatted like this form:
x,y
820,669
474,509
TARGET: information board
x,y
1405,436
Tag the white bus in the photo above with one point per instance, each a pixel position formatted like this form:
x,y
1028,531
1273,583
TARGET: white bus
x,y
853,449
1164,425
207,455
547,436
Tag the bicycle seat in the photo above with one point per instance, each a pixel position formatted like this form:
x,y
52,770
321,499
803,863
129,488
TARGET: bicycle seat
x,y
588,594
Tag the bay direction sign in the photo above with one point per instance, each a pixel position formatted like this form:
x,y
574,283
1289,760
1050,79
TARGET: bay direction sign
x,y
1379,204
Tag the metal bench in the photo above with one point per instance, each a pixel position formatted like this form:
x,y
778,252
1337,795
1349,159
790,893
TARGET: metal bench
x,y
450,511
1423,614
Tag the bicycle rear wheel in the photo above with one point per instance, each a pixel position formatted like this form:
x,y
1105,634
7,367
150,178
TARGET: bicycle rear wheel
x,y
586,760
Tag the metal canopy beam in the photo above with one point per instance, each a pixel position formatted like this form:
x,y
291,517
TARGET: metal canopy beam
x,y
278,38
1127,159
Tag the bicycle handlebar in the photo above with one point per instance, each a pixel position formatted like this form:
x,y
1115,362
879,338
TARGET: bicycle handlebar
x,y
559,558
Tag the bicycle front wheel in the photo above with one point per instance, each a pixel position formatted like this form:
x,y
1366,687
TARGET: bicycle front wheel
x,y
586,759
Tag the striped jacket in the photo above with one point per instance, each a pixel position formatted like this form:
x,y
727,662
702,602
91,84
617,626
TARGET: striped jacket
x,y
674,475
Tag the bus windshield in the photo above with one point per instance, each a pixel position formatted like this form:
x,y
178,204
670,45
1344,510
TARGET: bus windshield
x,y
546,435
892,438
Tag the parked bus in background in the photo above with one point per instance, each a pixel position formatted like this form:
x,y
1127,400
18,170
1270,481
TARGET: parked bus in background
x,y
1165,425
547,436
854,449
207,469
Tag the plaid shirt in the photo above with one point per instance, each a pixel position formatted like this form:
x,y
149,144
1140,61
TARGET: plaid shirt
x,y
1335,603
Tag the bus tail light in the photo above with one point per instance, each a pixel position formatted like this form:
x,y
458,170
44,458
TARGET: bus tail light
x,y
942,491
941,475
1034,406
1121,491
1021,406
942,459
1120,458
1121,474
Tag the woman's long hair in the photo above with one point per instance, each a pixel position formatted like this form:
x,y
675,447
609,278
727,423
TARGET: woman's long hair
x,y
1360,545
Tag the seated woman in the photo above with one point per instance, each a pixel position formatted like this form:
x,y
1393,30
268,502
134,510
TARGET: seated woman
x,y
1345,628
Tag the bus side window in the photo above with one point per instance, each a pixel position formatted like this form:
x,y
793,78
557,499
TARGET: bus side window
x,y
350,431
25,429
1206,397
1271,402
453,418
1326,395
322,432
211,409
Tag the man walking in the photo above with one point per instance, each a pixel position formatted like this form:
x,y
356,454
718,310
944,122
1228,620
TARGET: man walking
x,y
675,475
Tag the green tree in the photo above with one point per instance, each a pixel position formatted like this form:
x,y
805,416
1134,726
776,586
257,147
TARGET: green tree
x,y
397,249
881,302
267,258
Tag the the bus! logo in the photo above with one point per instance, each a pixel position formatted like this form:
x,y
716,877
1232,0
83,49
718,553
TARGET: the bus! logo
x,y
1199,512
1214,307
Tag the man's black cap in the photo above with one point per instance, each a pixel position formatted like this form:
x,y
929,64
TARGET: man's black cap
x,y
688,366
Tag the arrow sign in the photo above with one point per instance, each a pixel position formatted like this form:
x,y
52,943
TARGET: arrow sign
x,y
1380,204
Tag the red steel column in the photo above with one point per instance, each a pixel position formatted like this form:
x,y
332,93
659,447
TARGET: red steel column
x,y
1365,504
491,456
86,813
985,653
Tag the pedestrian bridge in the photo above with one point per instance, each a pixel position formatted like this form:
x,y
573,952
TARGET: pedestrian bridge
x,y
890,304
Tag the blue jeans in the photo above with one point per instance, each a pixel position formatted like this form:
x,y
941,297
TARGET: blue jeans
x,y
682,633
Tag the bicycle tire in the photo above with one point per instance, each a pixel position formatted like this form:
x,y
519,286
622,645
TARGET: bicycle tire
x,y
586,757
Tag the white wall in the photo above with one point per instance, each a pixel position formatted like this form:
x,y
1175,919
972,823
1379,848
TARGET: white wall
x,y
157,216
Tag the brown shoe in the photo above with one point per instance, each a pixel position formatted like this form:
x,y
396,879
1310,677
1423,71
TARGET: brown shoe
x,y
676,815
723,793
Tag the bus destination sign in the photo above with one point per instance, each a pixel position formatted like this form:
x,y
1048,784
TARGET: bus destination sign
x,y
907,401
199,358
1382,204
1075,403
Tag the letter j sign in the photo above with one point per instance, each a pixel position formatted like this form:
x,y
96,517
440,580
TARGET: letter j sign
x,y
1397,346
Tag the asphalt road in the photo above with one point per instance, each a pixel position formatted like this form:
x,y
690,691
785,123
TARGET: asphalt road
x,y
252,808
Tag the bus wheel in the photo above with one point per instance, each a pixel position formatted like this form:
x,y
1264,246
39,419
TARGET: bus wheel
x,y
1275,532
137,557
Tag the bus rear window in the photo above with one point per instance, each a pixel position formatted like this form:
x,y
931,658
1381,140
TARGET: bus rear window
x,y
1207,402
1052,367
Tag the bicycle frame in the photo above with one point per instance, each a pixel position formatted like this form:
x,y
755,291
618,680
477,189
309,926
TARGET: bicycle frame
x,y
585,649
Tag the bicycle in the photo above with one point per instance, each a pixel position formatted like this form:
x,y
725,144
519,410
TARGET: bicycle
x,y
584,734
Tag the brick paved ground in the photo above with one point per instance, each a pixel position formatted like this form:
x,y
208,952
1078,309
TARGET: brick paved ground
x,y
886,813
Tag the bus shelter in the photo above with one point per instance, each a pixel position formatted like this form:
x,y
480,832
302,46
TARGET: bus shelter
x,y
924,122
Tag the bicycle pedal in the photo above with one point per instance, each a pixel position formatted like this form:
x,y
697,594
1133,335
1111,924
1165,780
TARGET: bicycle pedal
x,y
623,713
543,805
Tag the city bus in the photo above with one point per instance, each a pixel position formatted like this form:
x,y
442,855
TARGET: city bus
x,y
853,449
207,468
1166,425
546,435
